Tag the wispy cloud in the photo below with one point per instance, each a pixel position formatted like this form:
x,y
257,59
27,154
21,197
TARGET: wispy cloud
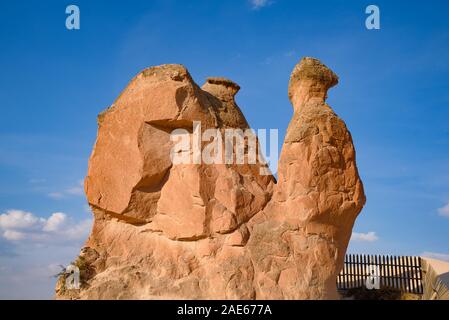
x,y
368,237
37,181
258,4
444,211
56,195
436,255
289,54
76,190
13,235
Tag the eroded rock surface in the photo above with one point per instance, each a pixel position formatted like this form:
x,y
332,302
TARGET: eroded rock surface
x,y
216,231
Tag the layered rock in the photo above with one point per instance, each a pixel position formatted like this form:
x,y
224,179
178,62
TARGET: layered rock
x,y
222,230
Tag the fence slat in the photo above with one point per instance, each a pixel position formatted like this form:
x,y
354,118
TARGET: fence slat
x,y
376,263
420,275
352,271
345,277
359,277
408,275
365,268
416,275
404,273
396,272
388,275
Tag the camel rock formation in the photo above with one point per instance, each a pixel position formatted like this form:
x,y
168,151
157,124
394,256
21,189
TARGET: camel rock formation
x,y
165,230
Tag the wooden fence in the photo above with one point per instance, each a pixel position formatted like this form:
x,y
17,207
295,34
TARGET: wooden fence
x,y
403,272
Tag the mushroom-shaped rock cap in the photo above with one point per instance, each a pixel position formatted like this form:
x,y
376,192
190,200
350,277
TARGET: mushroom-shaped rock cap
x,y
311,69
223,82
176,72
222,88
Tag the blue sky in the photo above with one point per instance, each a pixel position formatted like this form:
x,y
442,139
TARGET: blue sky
x,y
393,94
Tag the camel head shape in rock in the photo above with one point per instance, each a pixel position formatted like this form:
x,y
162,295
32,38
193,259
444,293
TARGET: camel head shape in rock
x,y
217,231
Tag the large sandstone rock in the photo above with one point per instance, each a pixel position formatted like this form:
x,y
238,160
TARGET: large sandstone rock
x,y
216,231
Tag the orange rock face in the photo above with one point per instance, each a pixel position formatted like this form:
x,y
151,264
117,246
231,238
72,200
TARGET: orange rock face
x,y
202,230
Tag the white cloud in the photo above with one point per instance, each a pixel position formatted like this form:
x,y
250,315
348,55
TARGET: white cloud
x,y
257,4
18,219
40,245
17,225
13,235
436,255
55,222
79,231
444,211
369,237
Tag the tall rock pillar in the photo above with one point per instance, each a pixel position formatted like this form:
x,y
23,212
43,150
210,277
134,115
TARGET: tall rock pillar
x,y
316,200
